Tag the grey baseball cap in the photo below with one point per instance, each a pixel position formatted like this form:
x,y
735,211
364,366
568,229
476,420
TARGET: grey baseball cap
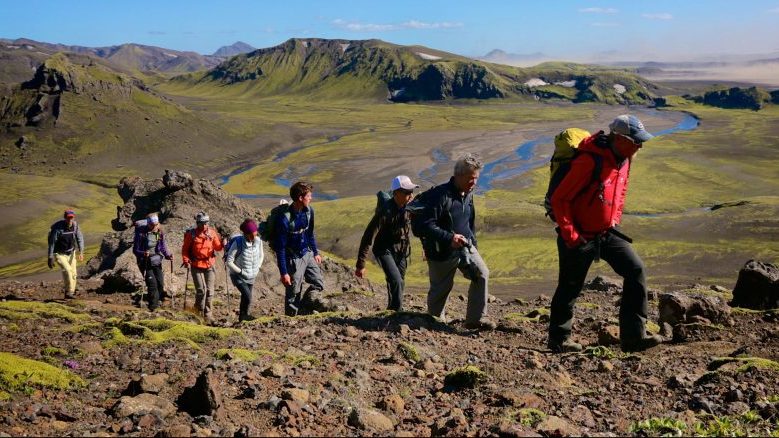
x,y
632,127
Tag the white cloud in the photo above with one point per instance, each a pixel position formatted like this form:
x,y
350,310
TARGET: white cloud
x,y
606,24
386,27
598,10
660,16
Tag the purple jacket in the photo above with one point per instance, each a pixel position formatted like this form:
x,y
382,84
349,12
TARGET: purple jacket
x,y
140,241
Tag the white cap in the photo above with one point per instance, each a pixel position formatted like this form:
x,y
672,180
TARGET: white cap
x,y
403,182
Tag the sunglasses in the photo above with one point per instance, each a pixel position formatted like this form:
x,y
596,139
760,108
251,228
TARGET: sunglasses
x,y
630,140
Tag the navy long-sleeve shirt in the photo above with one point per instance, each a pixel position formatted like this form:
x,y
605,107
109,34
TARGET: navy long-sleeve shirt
x,y
295,240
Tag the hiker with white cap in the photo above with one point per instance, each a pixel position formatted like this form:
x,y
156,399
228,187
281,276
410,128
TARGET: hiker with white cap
x,y
198,252
150,249
388,232
65,240
587,207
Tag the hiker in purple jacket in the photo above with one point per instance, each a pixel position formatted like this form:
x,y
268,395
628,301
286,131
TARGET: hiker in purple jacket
x,y
150,249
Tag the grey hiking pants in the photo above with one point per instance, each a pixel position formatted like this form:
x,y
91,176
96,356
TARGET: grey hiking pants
x,y
204,280
301,269
442,280
574,264
394,266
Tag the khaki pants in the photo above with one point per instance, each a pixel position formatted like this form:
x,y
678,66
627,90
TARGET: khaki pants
x,y
441,275
204,280
67,264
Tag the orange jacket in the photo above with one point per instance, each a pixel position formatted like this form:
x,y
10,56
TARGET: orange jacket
x,y
200,247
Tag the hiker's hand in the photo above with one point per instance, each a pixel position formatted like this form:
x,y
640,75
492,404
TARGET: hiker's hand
x,y
185,264
146,254
170,257
286,280
51,263
458,241
359,273
578,242
318,259
81,257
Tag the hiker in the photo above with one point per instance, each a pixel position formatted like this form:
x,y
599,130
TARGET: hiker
x,y
587,213
244,259
198,252
388,233
446,227
296,251
65,239
150,249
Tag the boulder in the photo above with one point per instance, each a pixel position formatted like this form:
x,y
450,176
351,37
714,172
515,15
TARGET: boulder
x,y
152,384
141,405
678,308
603,284
556,426
757,286
204,397
608,335
369,419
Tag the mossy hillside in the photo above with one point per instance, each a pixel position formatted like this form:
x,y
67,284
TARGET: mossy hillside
x,y
161,330
19,374
16,310
745,363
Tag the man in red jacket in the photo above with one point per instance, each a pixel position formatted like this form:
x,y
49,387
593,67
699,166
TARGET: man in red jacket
x,y
587,209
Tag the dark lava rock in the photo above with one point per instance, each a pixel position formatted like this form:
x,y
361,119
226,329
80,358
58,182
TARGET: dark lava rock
x,y
757,286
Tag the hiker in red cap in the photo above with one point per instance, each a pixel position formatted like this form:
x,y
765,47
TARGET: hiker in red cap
x,y
65,239
244,259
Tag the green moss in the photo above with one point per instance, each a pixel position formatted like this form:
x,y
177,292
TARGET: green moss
x,y
409,351
162,330
262,320
588,305
82,328
652,327
295,359
465,377
530,417
747,363
15,310
659,427
4,396
600,351
531,316
242,354
53,351
20,374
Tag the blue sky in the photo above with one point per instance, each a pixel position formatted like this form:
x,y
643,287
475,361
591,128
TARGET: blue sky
x,y
676,29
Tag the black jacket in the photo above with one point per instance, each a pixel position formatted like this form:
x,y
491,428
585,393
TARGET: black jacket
x,y
437,224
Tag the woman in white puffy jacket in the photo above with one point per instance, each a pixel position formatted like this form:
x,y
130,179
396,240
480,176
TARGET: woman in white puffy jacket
x,y
244,259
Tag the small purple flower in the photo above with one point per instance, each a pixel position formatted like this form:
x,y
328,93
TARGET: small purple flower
x,y
72,364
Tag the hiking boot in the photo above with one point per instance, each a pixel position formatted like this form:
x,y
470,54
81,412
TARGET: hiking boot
x,y
567,346
642,344
483,324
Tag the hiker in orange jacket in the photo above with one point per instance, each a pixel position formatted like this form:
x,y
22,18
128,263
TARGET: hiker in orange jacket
x,y
199,253
587,213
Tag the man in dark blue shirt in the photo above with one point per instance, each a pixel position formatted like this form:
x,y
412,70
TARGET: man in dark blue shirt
x,y
296,252
449,241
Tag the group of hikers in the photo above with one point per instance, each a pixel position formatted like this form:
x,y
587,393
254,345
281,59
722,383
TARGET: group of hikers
x,y
585,198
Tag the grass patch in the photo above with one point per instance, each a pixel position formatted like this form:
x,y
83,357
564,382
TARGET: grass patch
x,y
18,310
53,351
747,363
600,352
297,359
530,417
18,374
465,377
659,427
409,351
162,330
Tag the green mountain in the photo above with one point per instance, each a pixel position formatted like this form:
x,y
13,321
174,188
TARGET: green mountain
x,y
377,69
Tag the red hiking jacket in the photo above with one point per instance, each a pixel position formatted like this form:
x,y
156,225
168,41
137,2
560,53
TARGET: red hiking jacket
x,y
200,249
586,208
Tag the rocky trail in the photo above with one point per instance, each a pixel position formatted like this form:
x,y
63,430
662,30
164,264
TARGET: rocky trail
x,y
105,367
98,365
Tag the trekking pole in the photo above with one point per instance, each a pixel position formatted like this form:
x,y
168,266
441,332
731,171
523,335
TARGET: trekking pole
x,y
227,288
145,285
172,292
186,280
